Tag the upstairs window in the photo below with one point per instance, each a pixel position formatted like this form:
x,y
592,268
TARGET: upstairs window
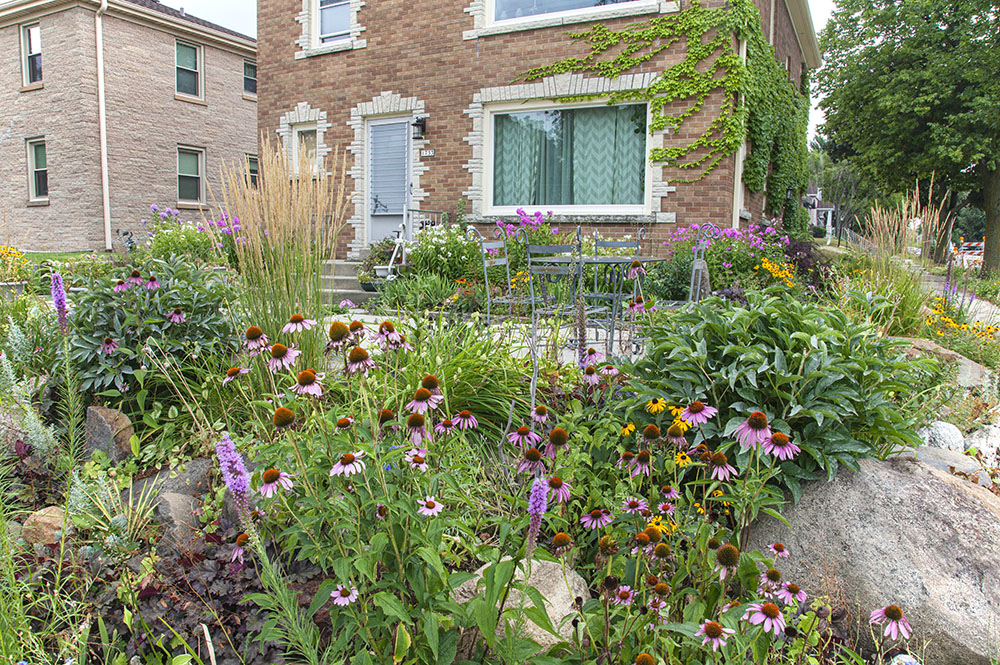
x,y
334,20
250,77
38,171
189,69
304,148
509,9
190,166
31,46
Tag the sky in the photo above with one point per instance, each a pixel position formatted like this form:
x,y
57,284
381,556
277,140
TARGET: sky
x,y
241,15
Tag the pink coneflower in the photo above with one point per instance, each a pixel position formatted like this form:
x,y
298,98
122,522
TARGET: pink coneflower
x,y
597,518
609,370
768,582
381,511
637,306
176,316
781,446
626,460
417,428
297,323
357,330
358,360
779,550
135,278
239,549
669,492
429,507
339,335
431,383
344,423
308,383
423,400
417,457
445,427
540,414
789,593
256,340
651,433
559,489
722,470
714,634
590,376
282,357
767,614
558,440
272,479
727,558
151,283
895,622
753,431
698,413
122,286
624,596
635,269
591,356
665,507
634,505
343,595
389,337
531,461
524,437
348,465
465,420
233,373
642,464
675,435
108,347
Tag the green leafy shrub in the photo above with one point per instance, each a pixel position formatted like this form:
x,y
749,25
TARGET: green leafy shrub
x,y
418,292
181,239
444,251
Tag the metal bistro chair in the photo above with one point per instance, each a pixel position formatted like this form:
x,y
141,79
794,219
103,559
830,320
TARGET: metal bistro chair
x,y
490,250
609,282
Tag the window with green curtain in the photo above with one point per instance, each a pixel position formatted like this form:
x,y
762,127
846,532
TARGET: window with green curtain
x,y
187,69
505,9
584,156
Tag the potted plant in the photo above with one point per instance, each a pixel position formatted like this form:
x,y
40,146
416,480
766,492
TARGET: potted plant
x,y
15,270
375,267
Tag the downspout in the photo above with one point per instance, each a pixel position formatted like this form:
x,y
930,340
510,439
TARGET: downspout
x,y
102,121
740,157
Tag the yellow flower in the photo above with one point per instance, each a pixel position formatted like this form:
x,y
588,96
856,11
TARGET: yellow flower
x,y
676,411
699,508
655,405
681,460
682,424
628,429
661,524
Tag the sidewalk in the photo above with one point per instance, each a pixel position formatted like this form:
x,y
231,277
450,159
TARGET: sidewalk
x,y
979,310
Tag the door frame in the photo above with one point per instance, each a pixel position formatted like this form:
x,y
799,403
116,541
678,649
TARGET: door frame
x,y
388,120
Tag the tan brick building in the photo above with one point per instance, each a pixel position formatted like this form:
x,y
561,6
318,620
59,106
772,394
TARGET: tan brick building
x,y
421,97
108,107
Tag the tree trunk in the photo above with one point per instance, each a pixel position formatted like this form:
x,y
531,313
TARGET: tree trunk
x,y
991,196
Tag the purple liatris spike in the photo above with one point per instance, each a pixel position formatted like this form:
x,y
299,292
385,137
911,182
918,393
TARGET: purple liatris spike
x,y
537,504
234,473
59,302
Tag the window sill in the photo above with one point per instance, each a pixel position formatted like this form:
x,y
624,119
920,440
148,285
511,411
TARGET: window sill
x,y
191,205
574,211
332,47
36,203
32,86
191,100
557,19
249,97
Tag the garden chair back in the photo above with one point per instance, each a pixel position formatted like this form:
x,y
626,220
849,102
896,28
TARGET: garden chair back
x,y
609,283
494,255
552,265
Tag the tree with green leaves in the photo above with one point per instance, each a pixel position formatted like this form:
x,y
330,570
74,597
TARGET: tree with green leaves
x,y
911,90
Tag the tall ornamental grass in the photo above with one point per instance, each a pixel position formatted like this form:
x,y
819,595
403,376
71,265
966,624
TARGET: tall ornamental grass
x,y
911,222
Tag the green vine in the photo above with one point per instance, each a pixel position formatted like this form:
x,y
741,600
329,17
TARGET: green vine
x,y
758,103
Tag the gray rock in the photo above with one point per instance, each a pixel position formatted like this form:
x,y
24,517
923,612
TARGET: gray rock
x,y
949,462
110,431
970,374
177,513
547,578
901,532
940,434
190,478
987,441
44,527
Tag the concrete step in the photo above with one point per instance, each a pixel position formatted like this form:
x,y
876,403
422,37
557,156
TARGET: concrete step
x,y
341,268
357,296
339,282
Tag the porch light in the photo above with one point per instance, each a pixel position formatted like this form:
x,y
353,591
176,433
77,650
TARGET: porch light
x,y
419,128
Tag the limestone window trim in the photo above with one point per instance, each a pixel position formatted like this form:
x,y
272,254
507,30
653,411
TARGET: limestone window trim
x,y
303,118
483,14
198,71
309,44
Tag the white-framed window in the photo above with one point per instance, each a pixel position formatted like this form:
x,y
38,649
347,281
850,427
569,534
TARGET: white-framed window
x,y
587,158
503,10
31,51
253,169
190,70
38,170
250,77
333,20
190,174
303,148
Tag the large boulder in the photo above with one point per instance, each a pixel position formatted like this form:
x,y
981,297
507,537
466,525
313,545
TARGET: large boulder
x,y
110,431
901,532
987,441
970,374
940,434
44,527
178,513
189,478
547,578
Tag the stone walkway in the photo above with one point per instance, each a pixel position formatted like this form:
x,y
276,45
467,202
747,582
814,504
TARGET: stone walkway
x,y
979,310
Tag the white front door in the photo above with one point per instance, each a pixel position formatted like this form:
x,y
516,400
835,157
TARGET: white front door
x,y
388,176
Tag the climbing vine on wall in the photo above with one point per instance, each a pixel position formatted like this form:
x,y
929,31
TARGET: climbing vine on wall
x,y
758,102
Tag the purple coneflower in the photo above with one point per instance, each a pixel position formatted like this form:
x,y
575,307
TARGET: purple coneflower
x,y
650,433
754,431
636,306
669,492
558,440
895,622
347,303
381,511
339,335
781,446
108,347
609,370
722,470
597,518
283,417
642,464
561,542
445,427
789,593
348,465
779,550
272,479
531,461
767,614
417,458
151,283
634,505
465,420
591,356
429,507
423,400
386,416
698,413
135,278
416,426
665,507
768,582
540,414
626,460
523,436
389,337
308,383
256,340
358,360
714,634
624,596
344,595
282,357
345,423
297,323
357,330
176,316
121,286
431,383
635,269
239,549
559,488
58,290
675,435
590,376
727,558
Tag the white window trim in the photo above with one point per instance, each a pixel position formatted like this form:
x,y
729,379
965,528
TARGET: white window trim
x,y
293,148
248,156
255,78
29,145
201,70
201,175
24,55
302,117
490,209
308,41
484,16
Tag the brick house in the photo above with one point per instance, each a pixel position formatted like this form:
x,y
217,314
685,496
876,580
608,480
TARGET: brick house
x,y
107,107
421,97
